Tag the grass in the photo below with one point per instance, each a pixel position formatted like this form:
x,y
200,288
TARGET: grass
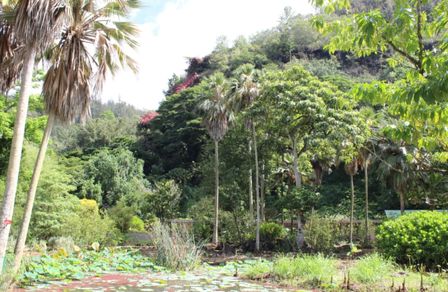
x,y
369,273
372,268
176,248
308,270
258,270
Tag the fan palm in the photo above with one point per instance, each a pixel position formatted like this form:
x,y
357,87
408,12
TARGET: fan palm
x,y
27,26
217,115
351,169
76,75
246,90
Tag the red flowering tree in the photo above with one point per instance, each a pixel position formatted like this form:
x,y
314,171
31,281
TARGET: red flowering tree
x,y
148,117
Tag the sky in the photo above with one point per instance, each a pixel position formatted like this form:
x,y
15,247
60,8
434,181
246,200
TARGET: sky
x,y
172,30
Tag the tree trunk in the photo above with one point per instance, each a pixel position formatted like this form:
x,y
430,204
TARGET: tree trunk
x,y
366,181
402,203
352,208
251,187
257,189
262,194
16,154
21,240
300,237
215,227
297,175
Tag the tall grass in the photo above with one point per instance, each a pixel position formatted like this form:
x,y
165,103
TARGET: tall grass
x,y
371,268
259,270
313,270
175,247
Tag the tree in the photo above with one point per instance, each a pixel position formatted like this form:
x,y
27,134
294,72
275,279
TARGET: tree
x,y
246,90
31,30
217,115
415,32
351,169
67,89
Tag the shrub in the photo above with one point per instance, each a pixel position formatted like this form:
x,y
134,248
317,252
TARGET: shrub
x,y
62,243
371,268
122,215
175,248
271,234
416,238
136,224
323,233
313,270
87,225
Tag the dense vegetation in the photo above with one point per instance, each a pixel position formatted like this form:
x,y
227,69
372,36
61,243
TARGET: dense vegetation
x,y
318,124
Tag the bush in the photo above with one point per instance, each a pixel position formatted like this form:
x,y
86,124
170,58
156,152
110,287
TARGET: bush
x,y
62,243
136,224
324,233
271,234
416,238
87,225
371,268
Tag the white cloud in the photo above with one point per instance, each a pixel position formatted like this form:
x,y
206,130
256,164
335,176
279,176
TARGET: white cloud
x,y
189,28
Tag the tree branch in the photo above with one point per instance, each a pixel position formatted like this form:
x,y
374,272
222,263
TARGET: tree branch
x,y
411,59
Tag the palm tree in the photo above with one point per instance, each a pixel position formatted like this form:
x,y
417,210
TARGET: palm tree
x,y
217,115
76,75
351,169
395,170
365,157
246,90
30,29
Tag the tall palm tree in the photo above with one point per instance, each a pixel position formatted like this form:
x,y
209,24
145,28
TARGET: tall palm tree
x,y
217,115
245,92
351,169
76,75
395,170
31,29
365,159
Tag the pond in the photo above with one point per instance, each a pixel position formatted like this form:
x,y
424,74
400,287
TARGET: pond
x,y
209,279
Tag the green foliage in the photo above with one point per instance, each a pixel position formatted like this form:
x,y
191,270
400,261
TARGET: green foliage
x,y
371,269
259,270
272,232
46,268
416,238
321,234
310,270
136,224
110,175
122,216
173,141
162,200
86,225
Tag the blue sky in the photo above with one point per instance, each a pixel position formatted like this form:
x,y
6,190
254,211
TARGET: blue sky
x,y
172,30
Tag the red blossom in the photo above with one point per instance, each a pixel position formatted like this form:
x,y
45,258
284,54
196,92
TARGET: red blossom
x,y
191,79
148,117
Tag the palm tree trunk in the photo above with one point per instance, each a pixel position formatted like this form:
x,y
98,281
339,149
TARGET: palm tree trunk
x,y
366,181
251,187
16,154
297,175
21,240
402,203
352,208
215,227
257,189
262,193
